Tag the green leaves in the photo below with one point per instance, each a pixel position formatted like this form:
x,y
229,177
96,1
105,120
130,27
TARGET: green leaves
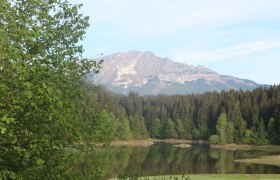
x,y
40,162
3,130
5,121
41,72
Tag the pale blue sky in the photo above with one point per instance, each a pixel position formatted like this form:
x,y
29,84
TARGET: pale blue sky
x,y
233,37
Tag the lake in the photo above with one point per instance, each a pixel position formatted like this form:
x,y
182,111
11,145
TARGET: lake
x,y
157,159
166,159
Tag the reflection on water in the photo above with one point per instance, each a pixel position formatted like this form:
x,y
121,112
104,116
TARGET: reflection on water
x,y
112,162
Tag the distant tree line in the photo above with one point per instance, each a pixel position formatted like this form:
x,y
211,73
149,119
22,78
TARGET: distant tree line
x,y
251,117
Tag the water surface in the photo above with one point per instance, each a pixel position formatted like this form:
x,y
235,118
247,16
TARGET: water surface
x,y
166,159
158,159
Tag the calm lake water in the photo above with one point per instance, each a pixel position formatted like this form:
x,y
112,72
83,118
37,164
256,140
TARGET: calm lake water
x,y
158,159
166,159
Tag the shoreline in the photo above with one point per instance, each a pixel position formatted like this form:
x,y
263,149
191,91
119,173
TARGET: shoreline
x,y
149,142
267,160
142,142
210,177
233,147
176,141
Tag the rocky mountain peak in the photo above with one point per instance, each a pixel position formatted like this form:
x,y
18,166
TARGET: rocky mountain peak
x,y
146,73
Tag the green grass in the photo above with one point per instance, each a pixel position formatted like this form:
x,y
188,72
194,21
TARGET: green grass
x,y
215,177
270,160
245,147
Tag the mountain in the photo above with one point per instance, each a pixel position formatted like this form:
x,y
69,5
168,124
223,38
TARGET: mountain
x,y
148,74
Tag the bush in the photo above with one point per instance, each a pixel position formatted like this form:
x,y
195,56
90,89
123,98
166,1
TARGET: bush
x,y
250,137
214,139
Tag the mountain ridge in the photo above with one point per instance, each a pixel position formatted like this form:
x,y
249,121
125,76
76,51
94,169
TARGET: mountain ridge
x,y
148,74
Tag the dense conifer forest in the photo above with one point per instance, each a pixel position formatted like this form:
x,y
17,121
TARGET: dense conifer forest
x,y
251,117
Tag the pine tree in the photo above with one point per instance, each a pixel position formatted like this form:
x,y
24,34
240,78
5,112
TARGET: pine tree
x,y
262,134
277,123
222,128
180,129
155,128
239,123
122,129
271,133
169,130
230,132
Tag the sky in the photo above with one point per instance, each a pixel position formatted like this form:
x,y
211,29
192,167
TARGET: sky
x,y
232,37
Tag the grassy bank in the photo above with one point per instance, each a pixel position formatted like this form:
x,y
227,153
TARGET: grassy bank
x,y
148,142
214,177
269,160
181,141
244,147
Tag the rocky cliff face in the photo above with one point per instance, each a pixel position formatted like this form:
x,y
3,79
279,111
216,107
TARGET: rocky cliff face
x,y
148,74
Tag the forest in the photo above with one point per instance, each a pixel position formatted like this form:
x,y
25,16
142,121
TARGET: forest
x,y
250,117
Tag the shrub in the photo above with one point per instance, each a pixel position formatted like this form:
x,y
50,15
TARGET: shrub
x,y
214,139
